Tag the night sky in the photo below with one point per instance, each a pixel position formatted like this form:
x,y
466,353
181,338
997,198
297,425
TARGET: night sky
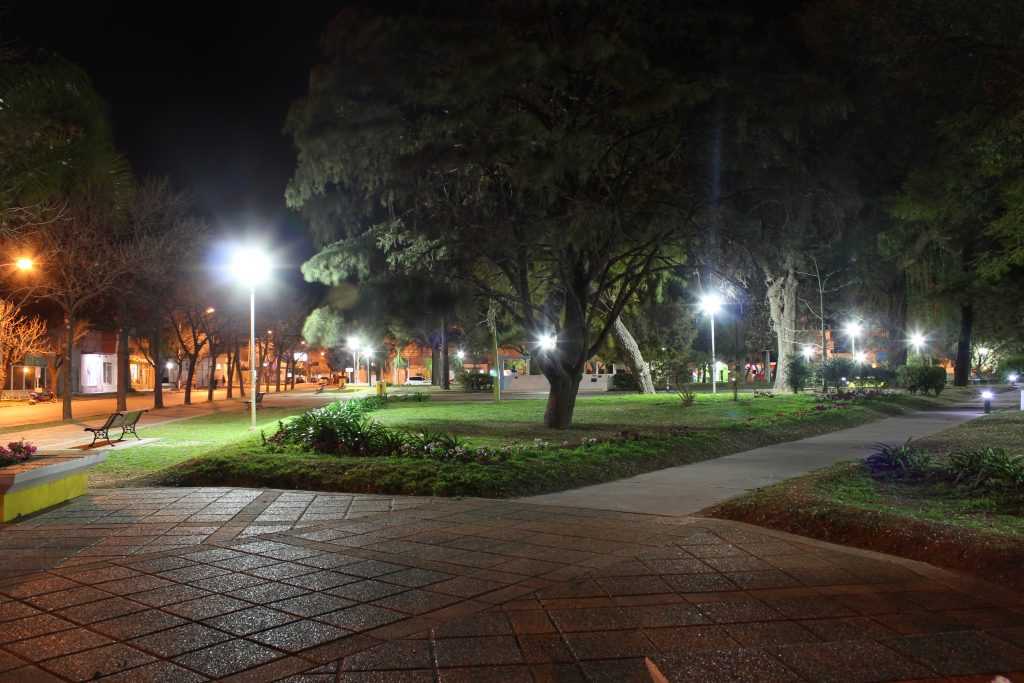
x,y
197,91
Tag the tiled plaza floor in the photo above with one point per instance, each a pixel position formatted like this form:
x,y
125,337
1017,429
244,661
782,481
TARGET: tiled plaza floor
x,y
195,584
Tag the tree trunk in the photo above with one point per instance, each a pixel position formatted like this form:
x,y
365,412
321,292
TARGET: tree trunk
x,y
561,399
445,380
782,307
277,373
69,342
212,383
229,374
238,369
634,359
189,377
962,372
158,369
435,365
124,378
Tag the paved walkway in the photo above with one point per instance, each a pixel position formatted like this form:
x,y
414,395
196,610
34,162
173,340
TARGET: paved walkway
x,y
687,489
257,585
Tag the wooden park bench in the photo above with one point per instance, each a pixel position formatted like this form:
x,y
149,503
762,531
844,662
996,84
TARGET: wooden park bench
x,y
259,400
126,420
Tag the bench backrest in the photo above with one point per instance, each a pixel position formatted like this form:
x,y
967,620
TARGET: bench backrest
x,y
131,417
114,420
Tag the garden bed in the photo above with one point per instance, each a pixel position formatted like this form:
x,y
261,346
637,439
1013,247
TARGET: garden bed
x,y
43,482
957,524
499,454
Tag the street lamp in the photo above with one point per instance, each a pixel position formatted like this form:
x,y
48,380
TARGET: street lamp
x,y
987,397
853,330
860,357
808,352
251,266
711,304
354,344
461,355
547,342
24,263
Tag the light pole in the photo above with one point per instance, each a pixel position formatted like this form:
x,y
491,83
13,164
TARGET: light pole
x,y
711,304
853,330
251,266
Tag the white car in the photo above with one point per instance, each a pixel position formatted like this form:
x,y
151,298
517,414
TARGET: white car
x,y
417,381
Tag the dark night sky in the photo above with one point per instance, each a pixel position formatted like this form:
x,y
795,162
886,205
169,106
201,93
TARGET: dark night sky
x,y
197,91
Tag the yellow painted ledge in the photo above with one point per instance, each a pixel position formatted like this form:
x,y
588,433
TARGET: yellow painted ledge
x,y
47,494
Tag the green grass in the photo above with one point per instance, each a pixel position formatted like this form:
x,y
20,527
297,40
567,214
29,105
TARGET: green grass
x,y
184,440
635,434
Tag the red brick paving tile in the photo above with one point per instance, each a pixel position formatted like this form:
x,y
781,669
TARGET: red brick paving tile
x,y
15,610
466,586
847,628
959,654
574,589
576,603
657,616
530,621
610,644
849,662
31,627
338,649
366,590
402,629
415,578
273,671
300,635
169,595
910,623
737,611
68,598
267,592
228,658
490,650
9,661
545,648
634,585
103,661
992,617
27,674
699,583
134,584
424,676
724,666
57,644
618,671
204,608
483,624
557,673
685,638
770,633
761,580
589,619
137,624
158,672
321,580
486,674
49,584
282,570
225,583
1010,635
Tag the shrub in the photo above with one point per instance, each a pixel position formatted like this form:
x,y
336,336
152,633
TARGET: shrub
x,y
986,468
624,381
923,378
687,397
875,378
898,461
836,371
798,372
16,452
477,381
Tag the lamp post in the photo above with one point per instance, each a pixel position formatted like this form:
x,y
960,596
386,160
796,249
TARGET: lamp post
x,y
354,344
853,330
251,267
987,397
711,304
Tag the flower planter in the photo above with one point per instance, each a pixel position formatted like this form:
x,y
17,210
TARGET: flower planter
x,y
43,482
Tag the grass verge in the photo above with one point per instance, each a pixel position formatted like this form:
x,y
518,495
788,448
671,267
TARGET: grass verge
x,y
978,531
635,434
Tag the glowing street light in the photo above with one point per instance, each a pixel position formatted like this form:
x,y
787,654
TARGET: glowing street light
x,y
808,352
860,357
24,263
1013,378
355,345
853,330
987,396
547,342
710,304
461,354
251,267
918,340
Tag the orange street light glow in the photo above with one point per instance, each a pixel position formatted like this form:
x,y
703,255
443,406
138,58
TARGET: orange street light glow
x,y
24,263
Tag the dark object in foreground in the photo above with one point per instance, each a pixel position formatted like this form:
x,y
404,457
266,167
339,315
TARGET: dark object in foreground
x,y
125,420
259,400
41,396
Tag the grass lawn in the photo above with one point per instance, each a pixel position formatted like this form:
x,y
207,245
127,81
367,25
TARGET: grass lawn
x,y
184,440
634,434
980,531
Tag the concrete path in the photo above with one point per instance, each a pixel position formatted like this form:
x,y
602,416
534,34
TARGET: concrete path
x,y
688,489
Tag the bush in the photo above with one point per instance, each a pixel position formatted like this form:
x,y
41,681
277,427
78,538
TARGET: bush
x,y
923,378
986,468
687,397
477,381
836,371
624,381
16,452
798,372
875,378
904,462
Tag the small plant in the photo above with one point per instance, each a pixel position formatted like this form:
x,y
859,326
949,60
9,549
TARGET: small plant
x,y
798,372
16,452
921,378
986,468
902,462
687,397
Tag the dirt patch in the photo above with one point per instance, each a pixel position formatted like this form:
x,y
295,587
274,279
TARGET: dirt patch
x,y
795,507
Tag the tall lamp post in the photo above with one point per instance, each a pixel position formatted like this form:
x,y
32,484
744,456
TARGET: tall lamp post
x,y
853,330
251,267
711,304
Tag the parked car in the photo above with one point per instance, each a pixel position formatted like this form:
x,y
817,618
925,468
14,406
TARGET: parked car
x,y
417,381
300,379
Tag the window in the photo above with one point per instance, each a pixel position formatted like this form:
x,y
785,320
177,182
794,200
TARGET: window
x,y
108,373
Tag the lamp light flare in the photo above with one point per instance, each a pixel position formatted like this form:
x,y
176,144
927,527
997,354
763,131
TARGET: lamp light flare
x,y
250,265
917,340
711,303
983,350
808,352
461,354
854,328
1013,378
24,263
861,357
987,395
547,342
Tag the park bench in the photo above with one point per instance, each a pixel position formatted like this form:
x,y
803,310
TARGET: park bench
x,y
763,394
259,400
126,420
